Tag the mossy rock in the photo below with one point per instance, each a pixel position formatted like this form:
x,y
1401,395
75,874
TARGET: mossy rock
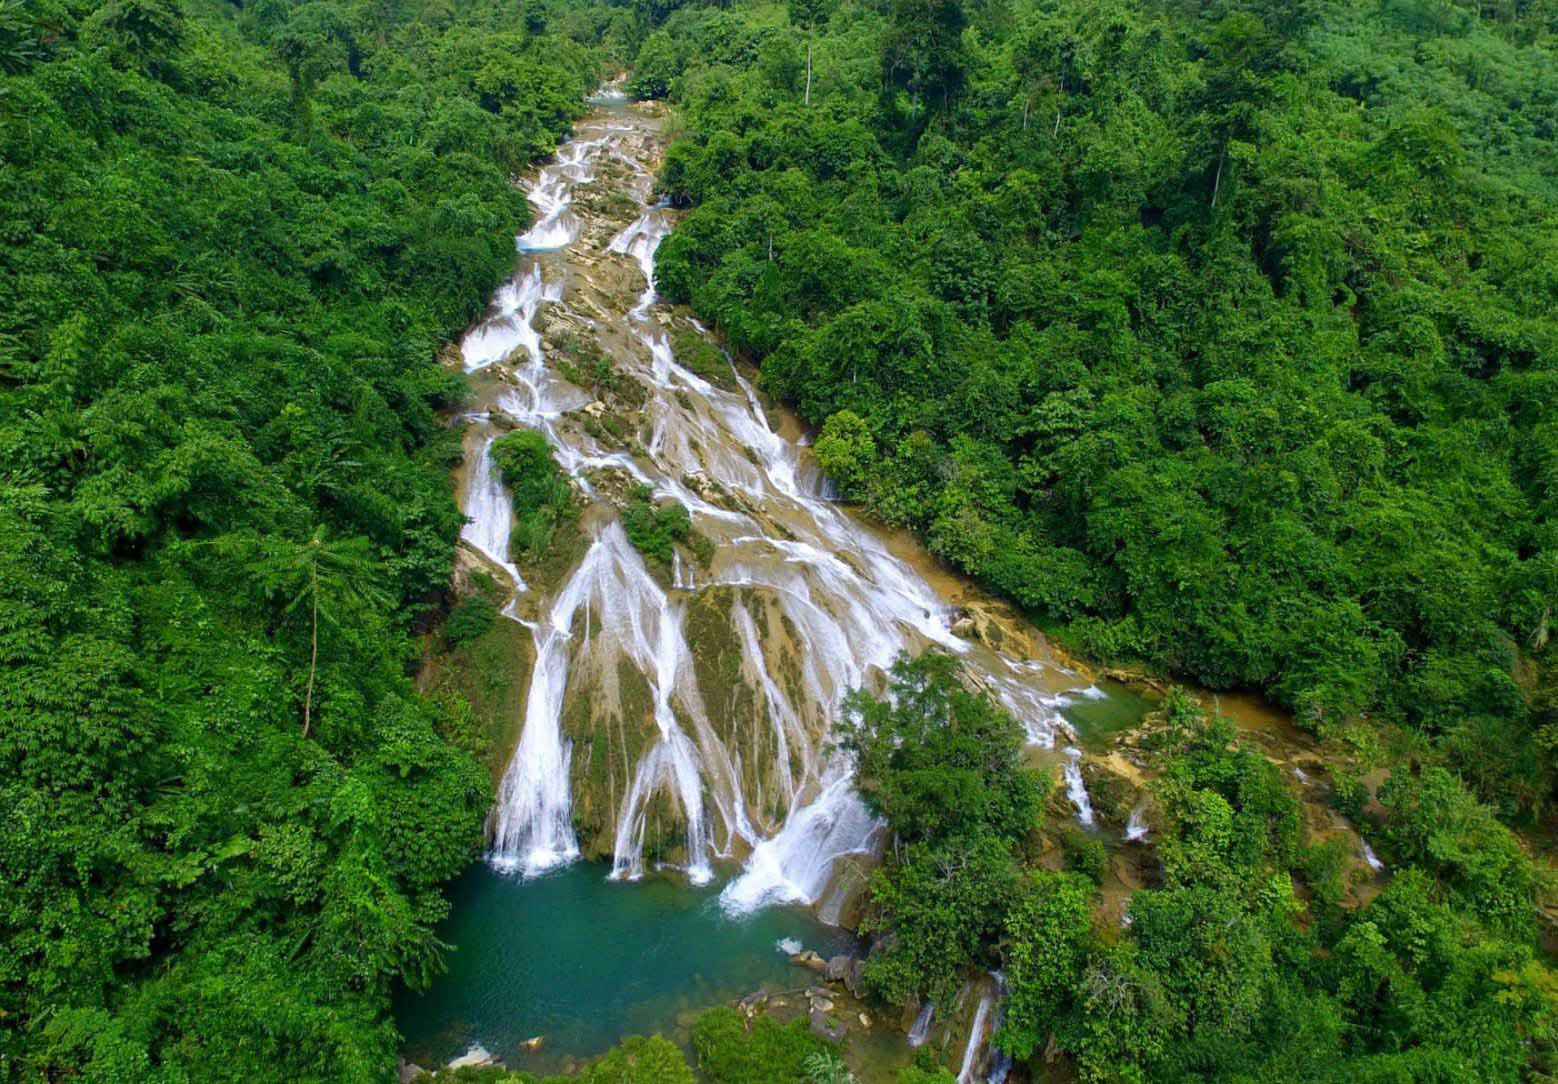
x,y
490,676
611,724
697,354
1112,794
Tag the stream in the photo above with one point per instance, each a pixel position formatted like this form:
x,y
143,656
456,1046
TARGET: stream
x,y
673,806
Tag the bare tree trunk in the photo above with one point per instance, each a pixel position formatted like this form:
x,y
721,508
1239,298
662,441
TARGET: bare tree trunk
x,y
1056,133
1217,181
808,70
313,657
1026,105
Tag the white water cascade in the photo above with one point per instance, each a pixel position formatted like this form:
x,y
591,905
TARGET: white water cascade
x,y
679,715
978,1035
489,512
920,1031
1076,787
1136,825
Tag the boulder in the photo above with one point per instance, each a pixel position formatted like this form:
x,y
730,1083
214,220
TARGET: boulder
x,y
595,409
808,958
846,969
409,1071
821,1004
476,1057
824,1025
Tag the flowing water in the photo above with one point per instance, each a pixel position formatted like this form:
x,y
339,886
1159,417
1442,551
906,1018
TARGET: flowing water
x,y
678,713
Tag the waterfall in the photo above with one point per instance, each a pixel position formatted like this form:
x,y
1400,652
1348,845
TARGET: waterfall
x,y
1000,1060
1076,788
809,602
976,1037
508,327
1136,826
921,1029
490,513
1370,857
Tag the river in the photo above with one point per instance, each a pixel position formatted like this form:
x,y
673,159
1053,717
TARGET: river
x,y
677,718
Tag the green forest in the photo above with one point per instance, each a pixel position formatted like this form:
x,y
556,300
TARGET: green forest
x,y
1220,338
235,238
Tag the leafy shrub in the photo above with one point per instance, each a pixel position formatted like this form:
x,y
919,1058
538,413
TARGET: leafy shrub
x,y
767,1052
655,529
541,493
1085,854
469,620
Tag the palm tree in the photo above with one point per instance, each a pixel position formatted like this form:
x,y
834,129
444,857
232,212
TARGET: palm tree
x,y
334,572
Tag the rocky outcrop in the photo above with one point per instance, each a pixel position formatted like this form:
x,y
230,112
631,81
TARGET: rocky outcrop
x,y
849,970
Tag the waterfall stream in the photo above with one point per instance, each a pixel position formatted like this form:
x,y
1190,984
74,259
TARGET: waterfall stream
x,y
678,717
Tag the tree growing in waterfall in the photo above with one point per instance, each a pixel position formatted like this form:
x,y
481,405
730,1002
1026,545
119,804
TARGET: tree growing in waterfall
x,y
942,763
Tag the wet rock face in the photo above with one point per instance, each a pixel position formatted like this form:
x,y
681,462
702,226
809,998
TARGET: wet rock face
x,y
848,970
678,711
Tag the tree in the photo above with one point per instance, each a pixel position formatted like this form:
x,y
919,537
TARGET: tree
x,y
808,15
937,760
846,452
1050,929
923,50
340,573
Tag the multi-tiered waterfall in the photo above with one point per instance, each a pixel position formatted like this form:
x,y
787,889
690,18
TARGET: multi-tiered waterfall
x,y
688,708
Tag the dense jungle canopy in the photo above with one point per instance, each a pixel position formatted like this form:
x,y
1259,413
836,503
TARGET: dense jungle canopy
x,y
1220,337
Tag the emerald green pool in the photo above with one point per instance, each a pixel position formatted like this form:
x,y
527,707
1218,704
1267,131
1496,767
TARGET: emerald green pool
x,y
1098,719
582,962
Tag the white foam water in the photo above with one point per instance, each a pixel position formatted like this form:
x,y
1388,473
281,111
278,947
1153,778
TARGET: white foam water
x,y
816,602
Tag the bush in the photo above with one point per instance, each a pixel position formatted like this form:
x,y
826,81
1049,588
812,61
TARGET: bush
x,y
541,493
469,620
1085,854
653,529
766,1053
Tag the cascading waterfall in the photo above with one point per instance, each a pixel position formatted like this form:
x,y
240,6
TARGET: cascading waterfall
x,y
1076,787
920,1031
1136,824
804,601
976,1036
1000,1060
489,513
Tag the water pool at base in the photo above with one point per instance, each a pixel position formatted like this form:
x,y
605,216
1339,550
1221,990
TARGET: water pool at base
x,y
582,962
1098,719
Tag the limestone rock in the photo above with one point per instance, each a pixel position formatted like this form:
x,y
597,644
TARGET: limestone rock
x,y
808,958
828,1028
848,970
595,409
476,1057
409,1071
